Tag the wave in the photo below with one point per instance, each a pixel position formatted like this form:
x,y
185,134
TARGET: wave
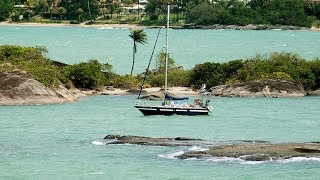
x,y
300,159
171,155
241,161
98,143
197,148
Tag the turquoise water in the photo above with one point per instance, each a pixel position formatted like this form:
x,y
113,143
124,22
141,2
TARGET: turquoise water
x,y
65,141
187,47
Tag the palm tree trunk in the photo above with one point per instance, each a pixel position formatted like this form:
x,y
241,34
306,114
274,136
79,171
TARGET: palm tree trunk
x,y
133,57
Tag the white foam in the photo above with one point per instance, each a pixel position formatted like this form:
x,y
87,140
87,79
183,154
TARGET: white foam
x,y
197,148
253,162
225,159
300,159
98,143
241,161
235,160
171,155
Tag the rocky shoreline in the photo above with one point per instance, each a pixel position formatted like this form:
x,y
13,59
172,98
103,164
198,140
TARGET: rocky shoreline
x,y
248,150
17,88
187,26
247,27
260,88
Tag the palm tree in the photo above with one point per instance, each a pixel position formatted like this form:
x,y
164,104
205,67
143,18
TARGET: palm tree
x,y
138,36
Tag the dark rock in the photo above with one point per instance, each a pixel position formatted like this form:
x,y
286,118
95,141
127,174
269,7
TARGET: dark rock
x,y
307,150
186,139
256,157
148,141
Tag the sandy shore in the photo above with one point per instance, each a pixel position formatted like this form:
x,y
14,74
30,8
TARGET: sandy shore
x,y
72,25
179,91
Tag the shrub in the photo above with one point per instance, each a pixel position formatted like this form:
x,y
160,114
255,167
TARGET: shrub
x,y
125,82
87,75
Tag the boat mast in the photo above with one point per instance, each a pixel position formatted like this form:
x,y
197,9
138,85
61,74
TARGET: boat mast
x,y
167,52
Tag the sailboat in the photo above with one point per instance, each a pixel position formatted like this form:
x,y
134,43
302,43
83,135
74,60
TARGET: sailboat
x,y
174,105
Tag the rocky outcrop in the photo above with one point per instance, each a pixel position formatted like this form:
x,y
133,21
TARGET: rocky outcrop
x,y
259,152
314,93
260,88
20,89
248,150
148,141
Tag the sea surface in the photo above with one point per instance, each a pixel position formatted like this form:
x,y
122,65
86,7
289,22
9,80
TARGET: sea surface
x,y
187,47
65,141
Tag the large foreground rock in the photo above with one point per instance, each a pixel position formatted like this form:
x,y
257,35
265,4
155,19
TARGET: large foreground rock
x,y
260,88
259,152
20,89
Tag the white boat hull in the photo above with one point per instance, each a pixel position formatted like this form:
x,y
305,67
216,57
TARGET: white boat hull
x,y
167,110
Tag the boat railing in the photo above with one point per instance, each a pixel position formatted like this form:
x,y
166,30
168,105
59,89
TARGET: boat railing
x,y
148,103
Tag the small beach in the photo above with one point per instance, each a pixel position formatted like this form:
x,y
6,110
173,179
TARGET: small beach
x,y
72,25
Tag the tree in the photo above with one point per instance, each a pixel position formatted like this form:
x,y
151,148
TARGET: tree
x,y
6,7
73,5
203,14
138,36
79,12
62,11
39,5
161,62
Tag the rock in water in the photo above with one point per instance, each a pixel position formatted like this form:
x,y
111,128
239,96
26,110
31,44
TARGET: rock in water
x,y
258,152
256,157
148,141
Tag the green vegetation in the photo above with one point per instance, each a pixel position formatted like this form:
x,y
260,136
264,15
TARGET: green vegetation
x,y
31,60
92,74
286,66
6,7
233,12
86,74
192,12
